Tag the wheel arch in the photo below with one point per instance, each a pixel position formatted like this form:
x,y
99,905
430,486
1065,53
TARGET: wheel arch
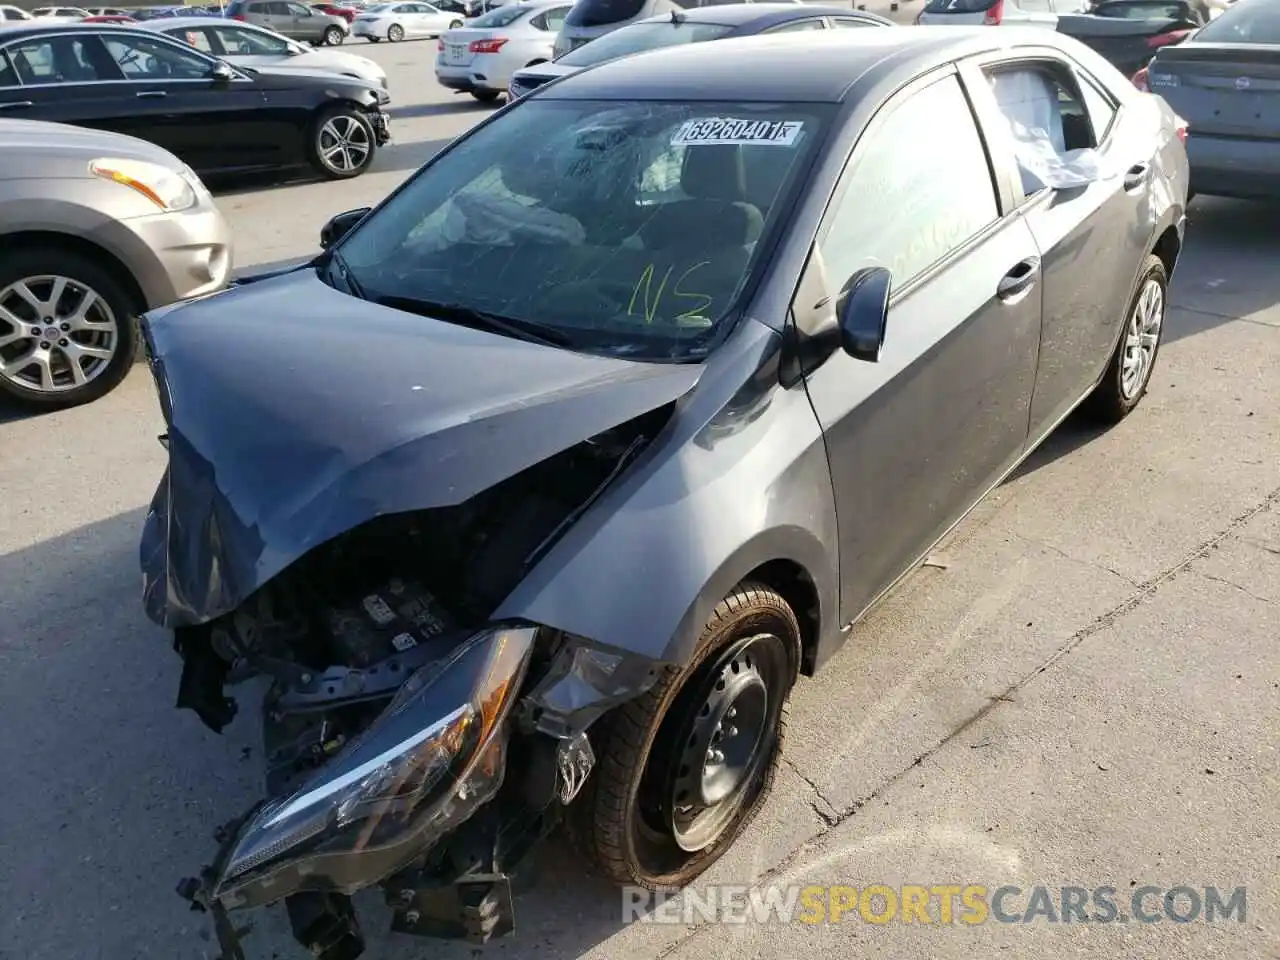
x,y
1168,247
28,238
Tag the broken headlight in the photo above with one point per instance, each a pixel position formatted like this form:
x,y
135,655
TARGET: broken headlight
x,y
434,756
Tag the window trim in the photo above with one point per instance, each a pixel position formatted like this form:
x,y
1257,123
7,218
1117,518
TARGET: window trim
x,y
96,36
902,290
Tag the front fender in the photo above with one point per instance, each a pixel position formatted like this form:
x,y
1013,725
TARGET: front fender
x,y
738,479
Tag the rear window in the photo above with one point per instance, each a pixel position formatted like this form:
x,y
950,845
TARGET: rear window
x,y
640,37
499,17
1243,22
959,6
599,13
1143,11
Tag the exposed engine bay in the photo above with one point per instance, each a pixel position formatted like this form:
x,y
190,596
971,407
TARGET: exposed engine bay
x,y
340,634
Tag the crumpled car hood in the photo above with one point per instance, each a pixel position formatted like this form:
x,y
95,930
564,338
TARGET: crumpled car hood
x,y
297,413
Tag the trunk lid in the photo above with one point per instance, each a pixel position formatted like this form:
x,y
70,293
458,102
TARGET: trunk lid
x,y
1223,89
455,44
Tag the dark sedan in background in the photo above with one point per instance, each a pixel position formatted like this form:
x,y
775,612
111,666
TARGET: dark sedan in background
x,y
1129,32
561,545
216,117
695,25
1225,81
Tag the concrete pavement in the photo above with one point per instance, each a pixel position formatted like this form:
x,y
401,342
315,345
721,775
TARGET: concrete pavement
x,y
1084,691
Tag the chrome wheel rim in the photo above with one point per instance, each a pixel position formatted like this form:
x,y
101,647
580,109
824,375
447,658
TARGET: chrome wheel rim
x,y
395,32
344,143
1142,337
56,334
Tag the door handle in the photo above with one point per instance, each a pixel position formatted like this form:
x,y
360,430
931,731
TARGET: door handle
x,y
1013,286
151,94
1137,176
16,105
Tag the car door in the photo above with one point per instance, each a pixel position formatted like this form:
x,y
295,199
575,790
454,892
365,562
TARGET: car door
x,y
65,78
308,24
274,15
916,438
211,124
1092,237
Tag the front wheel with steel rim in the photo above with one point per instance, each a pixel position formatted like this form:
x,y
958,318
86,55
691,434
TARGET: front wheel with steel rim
x,y
686,767
342,143
67,331
1125,383
333,37
395,33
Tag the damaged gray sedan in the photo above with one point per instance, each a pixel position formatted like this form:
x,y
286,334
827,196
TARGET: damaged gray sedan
x,y
534,494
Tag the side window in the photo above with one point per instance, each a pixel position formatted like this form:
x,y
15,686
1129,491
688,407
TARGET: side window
x,y
146,59
196,38
239,42
8,76
798,25
553,19
1099,107
846,23
298,10
905,208
275,9
1045,115
61,59
12,14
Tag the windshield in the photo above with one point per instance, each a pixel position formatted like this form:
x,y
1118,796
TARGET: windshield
x,y
639,37
377,7
1246,21
599,13
626,227
500,17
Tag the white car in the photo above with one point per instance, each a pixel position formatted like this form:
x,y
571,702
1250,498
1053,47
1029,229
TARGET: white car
x,y
396,21
9,14
481,57
995,13
60,14
248,45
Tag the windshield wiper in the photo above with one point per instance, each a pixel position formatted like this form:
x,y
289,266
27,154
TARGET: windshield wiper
x,y
478,319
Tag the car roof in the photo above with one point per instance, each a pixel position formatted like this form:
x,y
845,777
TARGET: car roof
x,y
809,67
737,14
167,22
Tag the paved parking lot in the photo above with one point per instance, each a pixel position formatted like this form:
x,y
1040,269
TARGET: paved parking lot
x,y
1084,690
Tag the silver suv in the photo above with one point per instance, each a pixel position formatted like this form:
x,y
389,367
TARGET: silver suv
x,y
295,20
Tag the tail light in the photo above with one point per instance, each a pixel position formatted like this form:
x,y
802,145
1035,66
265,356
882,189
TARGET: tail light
x,y
439,45
1140,80
1165,39
238,16
994,15
487,46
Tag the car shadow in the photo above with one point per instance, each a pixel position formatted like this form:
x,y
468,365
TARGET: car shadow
x,y
123,791
463,105
1227,268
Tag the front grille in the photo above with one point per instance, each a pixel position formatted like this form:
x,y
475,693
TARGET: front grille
x,y
532,83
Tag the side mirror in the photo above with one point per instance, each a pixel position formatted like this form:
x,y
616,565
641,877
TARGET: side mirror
x,y
340,225
222,73
863,310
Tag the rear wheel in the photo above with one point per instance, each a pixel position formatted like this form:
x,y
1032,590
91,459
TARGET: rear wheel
x,y
1125,382
395,33
67,333
485,96
333,36
341,143
686,767
373,39
455,24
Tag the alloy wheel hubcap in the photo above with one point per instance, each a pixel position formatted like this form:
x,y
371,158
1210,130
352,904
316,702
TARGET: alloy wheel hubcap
x,y
344,143
56,334
1142,337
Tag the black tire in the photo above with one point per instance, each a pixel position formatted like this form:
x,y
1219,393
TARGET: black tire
x,y
455,24
333,37
373,39
1114,399
618,821
486,96
395,33
341,116
54,261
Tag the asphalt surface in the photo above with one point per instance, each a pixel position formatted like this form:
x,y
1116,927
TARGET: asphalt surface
x,y
1083,690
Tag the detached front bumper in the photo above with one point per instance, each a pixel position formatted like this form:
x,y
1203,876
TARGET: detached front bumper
x,y
381,126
